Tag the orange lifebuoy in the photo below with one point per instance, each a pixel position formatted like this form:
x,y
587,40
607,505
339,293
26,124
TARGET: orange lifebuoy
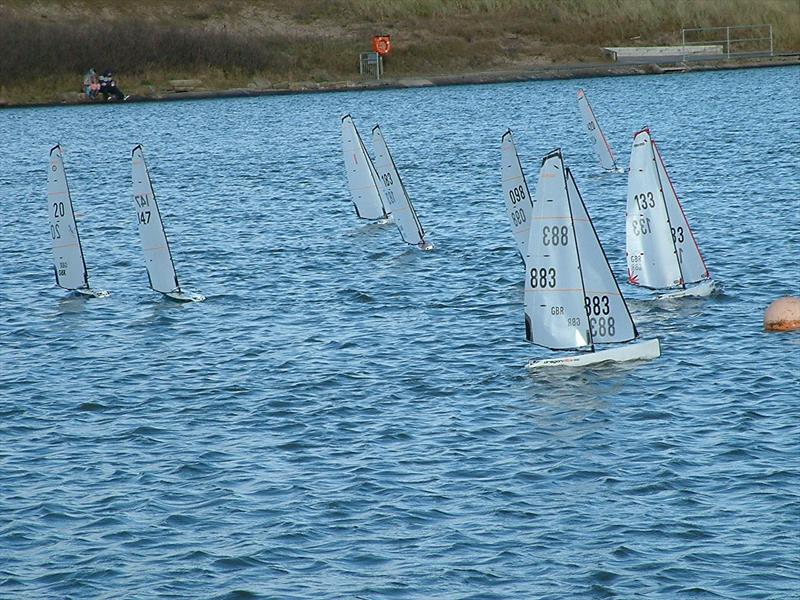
x,y
382,44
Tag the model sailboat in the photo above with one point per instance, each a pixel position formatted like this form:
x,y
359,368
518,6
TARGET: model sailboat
x,y
661,249
68,261
519,203
157,255
395,195
362,179
572,300
598,139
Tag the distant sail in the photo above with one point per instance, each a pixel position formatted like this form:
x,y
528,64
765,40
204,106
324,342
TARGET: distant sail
x,y
661,249
519,203
362,179
158,258
598,139
394,192
70,267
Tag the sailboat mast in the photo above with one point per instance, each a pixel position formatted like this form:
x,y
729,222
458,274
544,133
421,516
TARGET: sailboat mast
x,y
666,210
564,172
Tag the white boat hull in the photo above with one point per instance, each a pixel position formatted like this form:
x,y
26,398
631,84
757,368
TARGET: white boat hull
x,y
89,293
644,350
184,297
701,290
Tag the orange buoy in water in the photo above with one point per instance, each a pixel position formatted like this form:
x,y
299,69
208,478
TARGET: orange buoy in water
x,y
783,314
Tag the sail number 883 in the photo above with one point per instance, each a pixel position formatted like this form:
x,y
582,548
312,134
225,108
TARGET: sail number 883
x,y
543,278
601,326
555,235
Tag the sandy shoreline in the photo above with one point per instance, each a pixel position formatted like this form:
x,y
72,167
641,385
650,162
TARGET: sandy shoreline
x,y
573,71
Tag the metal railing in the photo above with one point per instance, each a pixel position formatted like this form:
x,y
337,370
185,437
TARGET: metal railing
x,y
754,45
370,63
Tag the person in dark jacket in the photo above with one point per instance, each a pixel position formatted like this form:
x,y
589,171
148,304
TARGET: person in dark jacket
x,y
108,86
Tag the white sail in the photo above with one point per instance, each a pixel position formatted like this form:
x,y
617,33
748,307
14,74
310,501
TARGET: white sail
x,y
693,268
609,318
555,316
394,192
519,204
157,255
362,178
572,300
661,249
70,267
650,251
599,141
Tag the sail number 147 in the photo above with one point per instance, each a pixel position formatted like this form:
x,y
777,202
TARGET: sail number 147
x,y
142,202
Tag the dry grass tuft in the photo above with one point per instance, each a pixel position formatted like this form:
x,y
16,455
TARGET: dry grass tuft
x,y
234,41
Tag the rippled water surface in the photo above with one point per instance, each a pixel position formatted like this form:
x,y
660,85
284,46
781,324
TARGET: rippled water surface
x,y
346,417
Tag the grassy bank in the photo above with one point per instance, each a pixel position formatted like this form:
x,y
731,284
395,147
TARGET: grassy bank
x,y
45,46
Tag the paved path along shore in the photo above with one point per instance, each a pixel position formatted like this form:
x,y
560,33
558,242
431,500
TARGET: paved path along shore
x,y
567,71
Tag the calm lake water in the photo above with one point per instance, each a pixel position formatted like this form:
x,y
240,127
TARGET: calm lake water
x,y
346,417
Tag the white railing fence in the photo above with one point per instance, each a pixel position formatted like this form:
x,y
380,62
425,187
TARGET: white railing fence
x,y
736,40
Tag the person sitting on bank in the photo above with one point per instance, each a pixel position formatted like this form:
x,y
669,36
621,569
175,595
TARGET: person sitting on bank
x,y
108,87
90,84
